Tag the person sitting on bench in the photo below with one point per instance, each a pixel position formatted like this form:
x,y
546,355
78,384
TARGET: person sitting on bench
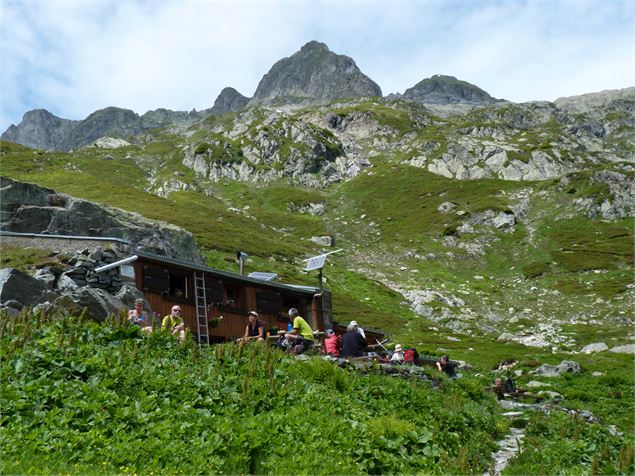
x,y
353,344
255,329
301,335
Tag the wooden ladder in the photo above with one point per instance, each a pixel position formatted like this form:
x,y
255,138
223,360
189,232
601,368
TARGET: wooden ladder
x,y
200,299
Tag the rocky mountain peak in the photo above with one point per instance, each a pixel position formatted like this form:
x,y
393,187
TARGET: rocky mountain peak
x,y
442,89
39,129
229,100
313,75
314,45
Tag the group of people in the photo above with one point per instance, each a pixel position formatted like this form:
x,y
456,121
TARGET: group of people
x,y
173,322
298,337
351,344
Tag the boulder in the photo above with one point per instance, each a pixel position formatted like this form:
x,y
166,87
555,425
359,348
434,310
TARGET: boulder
x,y
98,303
129,294
566,366
18,286
46,276
446,207
110,143
550,395
323,240
66,284
505,336
28,208
624,349
591,348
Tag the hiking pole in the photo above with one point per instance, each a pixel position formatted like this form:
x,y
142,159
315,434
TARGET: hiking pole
x,y
382,346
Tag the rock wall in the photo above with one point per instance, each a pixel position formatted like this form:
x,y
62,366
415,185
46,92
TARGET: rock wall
x,y
28,208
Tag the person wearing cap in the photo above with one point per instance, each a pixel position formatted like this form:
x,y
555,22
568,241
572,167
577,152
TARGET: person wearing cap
x,y
174,323
255,329
358,329
397,356
301,333
332,344
353,344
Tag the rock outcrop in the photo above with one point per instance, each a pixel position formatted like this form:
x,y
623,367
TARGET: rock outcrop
x,y
28,208
229,100
440,89
42,130
313,75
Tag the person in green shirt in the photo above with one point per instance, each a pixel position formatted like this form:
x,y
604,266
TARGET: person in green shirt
x,y
301,335
174,323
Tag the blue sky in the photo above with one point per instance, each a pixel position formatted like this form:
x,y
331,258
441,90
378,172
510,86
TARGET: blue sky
x,y
73,58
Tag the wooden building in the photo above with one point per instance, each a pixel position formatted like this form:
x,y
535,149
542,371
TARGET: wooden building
x,y
205,294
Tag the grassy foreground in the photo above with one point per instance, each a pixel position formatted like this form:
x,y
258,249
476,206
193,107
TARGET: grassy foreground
x,y
84,398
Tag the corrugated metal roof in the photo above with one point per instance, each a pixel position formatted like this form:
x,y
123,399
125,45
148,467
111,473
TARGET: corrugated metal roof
x,y
174,261
226,274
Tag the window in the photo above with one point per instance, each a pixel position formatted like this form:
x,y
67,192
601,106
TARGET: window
x,y
155,279
178,286
233,297
269,302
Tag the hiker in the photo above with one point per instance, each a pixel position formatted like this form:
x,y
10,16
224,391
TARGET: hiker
x,y
444,365
139,317
397,356
174,323
498,388
332,344
353,344
301,335
358,329
255,329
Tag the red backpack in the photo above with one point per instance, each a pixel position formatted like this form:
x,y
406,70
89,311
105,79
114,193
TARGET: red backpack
x,y
410,355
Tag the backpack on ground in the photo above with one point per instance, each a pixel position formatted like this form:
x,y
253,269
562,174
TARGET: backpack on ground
x,y
509,386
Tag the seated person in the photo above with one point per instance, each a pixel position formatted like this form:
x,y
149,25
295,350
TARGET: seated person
x,y
139,317
301,335
444,365
397,356
174,323
353,344
255,329
332,344
358,329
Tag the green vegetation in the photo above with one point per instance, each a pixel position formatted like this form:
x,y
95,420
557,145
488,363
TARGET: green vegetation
x,y
72,389
24,258
566,444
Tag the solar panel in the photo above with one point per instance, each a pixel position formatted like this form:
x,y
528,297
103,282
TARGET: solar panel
x,y
317,262
263,276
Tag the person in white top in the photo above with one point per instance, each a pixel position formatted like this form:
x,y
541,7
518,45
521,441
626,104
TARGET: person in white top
x,y
397,356
359,329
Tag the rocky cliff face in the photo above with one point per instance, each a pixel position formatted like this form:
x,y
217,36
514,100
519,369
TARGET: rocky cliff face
x,y
440,89
313,75
229,100
28,208
41,129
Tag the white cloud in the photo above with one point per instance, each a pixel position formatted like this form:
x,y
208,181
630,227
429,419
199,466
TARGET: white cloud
x,y
75,57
